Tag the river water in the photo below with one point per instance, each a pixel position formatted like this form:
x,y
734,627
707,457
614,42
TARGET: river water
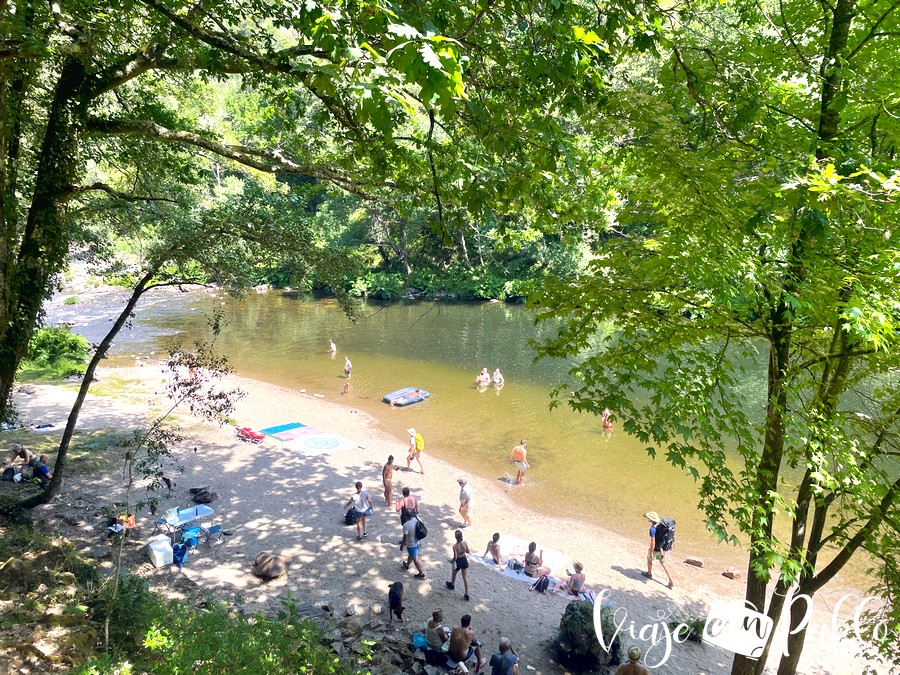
x,y
282,338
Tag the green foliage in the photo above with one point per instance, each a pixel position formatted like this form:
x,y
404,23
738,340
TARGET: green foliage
x,y
58,351
72,300
174,637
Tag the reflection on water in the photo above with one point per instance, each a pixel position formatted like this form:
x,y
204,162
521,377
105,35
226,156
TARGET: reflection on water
x,y
576,468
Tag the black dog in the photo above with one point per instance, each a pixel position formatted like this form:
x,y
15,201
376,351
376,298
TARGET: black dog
x,y
395,601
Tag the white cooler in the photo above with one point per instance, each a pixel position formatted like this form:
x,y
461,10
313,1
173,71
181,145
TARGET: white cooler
x,y
160,551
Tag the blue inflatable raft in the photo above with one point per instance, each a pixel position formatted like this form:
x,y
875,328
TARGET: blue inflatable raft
x,y
405,396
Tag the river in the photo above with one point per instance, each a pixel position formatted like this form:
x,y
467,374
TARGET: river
x,y
282,338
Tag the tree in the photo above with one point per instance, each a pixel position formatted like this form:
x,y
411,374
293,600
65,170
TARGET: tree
x,y
392,102
756,226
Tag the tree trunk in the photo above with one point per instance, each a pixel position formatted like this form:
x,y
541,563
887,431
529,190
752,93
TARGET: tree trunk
x,y
45,240
100,354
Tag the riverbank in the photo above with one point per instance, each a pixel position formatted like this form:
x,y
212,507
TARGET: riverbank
x,y
273,499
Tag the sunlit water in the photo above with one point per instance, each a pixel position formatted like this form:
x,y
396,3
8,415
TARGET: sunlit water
x,y
576,468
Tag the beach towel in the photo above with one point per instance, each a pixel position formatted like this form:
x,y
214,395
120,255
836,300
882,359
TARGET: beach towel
x,y
514,548
271,431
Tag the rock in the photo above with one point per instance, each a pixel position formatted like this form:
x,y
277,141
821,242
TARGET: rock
x,y
731,574
15,572
72,517
351,611
270,566
338,648
205,497
696,562
377,609
98,552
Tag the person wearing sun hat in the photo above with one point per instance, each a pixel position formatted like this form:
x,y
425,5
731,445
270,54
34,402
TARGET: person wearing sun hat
x,y
416,445
633,667
465,501
653,553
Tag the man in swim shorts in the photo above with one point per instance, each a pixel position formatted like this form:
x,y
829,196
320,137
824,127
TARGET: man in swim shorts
x,y
460,564
416,445
347,366
412,547
387,478
654,552
518,456
464,644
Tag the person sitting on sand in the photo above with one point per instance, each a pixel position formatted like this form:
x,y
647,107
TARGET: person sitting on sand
x,y
534,563
493,547
506,662
436,634
575,584
497,378
464,644
633,667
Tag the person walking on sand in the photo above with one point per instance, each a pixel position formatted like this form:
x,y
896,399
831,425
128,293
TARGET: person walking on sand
x,y
493,547
460,562
518,456
361,503
416,446
654,552
412,547
633,667
387,478
407,501
465,501
347,366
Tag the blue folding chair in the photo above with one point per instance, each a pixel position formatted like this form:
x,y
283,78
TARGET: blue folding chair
x,y
214,532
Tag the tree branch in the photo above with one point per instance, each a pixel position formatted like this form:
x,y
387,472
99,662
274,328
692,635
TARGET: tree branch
x,y
873,31
119,195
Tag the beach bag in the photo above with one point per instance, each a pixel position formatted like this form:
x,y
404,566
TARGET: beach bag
x,y
350,517
421,530
542,584
420,443
419,641
516,566
665,535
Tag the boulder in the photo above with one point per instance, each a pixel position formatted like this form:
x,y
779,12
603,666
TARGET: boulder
x,y
696,562
270,566
205,497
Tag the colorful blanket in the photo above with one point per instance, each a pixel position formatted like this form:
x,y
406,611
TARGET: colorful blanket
x,y
308,440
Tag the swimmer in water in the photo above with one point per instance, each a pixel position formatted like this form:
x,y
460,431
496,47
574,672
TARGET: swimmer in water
x,y
607,425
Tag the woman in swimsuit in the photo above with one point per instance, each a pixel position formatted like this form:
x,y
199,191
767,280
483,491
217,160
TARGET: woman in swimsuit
x,y
460,564
575,584
534,563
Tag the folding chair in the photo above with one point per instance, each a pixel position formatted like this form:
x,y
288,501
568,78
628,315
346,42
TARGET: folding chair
x,y
214,532
190,536
163,526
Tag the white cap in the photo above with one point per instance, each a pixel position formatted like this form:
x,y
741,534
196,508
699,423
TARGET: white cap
x,y
411,431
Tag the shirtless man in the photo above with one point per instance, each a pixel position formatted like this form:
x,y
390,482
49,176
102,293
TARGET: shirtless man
x,y
460,564
332,348
21,452
518,456
347,366
463,643
387,477
493,547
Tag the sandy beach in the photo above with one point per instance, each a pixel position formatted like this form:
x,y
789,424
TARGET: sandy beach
x,y
272,498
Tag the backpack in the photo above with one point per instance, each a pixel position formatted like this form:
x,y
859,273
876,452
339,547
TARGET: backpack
x,y
179,554
421,530
542,584
420,442
350,517
665,535
9,473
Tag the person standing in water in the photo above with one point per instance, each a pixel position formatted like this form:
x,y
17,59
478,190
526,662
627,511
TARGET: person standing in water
x,y
607,424
332,348
518,456
347,366
497,379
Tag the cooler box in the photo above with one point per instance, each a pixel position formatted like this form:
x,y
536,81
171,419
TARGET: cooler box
x,y
160,551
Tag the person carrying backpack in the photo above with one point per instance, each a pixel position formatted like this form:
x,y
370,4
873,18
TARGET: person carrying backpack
x,y
662,538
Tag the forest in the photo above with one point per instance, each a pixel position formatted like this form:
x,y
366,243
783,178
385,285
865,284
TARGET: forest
x,y
719,178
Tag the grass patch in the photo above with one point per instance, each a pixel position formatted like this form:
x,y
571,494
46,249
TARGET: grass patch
x,y
33,373
72,300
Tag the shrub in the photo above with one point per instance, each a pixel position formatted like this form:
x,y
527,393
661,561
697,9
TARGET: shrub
x,y
73,300
59,350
